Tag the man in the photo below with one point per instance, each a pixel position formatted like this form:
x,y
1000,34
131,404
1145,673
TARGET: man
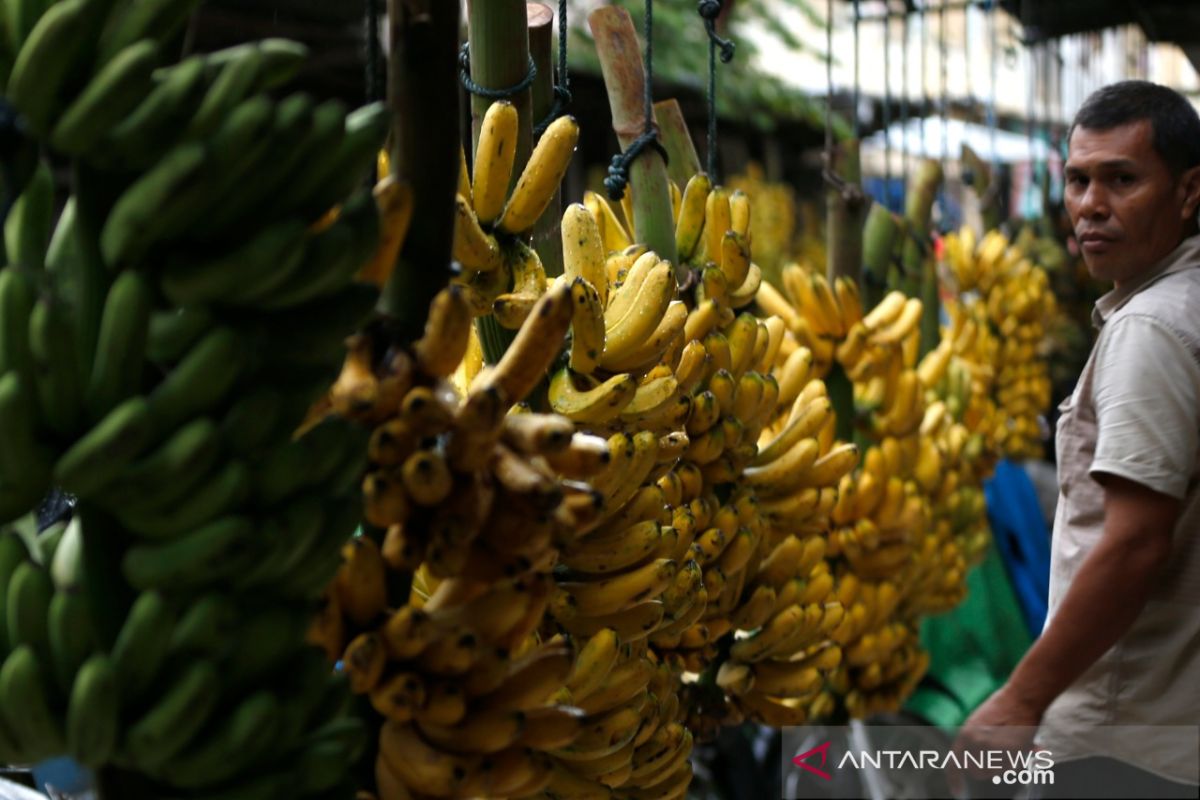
x,y
1121,644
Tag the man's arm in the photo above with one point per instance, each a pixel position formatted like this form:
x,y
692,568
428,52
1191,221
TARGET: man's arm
x,y
1105,597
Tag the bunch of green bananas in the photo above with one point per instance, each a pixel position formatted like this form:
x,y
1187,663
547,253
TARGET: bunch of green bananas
x,y
162,340
503,274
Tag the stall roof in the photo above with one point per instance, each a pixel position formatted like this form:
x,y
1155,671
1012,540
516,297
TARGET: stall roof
x,y
1176,21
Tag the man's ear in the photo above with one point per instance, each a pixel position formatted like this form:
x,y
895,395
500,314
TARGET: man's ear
x,y
1190,184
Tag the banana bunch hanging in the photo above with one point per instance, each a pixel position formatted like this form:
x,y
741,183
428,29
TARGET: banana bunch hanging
x,y
503,274
1018,300
468,494
772,217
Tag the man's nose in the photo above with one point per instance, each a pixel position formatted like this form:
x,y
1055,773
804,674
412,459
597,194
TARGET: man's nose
x,y
1094,202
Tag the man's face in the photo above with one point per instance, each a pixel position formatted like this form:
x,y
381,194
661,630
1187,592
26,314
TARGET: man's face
x,y
1127,208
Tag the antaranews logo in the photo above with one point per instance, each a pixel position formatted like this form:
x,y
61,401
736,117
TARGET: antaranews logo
x,y
802,762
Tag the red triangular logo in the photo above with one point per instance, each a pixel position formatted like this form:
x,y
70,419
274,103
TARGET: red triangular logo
x,y
823,749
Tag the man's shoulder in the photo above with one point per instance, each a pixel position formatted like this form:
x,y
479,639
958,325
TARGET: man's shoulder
x,y
1173,300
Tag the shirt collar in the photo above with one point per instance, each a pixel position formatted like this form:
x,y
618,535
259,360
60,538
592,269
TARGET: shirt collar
x,y
1185,256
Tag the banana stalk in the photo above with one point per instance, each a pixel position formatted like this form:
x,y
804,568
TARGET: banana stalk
x,y
682,160
918,266
847,211
989,207
547,236
625,79
423,71
879,242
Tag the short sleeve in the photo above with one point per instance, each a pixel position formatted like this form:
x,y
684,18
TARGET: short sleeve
x,y
1147,401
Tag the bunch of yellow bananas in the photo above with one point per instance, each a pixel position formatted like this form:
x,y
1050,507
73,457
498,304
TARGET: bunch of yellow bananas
x,y
503,274
1018,300
772,217
472,495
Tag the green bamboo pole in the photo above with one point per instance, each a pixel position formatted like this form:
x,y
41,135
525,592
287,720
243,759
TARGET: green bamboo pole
x,y
682,159
879,242
625,78
846,210
422,76
499,49
547,235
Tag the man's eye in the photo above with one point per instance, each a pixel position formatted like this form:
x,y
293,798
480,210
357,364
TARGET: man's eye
x,y
1123,179
1076,180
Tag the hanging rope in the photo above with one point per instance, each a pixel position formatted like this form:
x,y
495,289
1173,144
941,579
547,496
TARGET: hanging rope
x,y
562,78
618,170
943,56
829,83
464,77
854,101
904,109
887,105
710,10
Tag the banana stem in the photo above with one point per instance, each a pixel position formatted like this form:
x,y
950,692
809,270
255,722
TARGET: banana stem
x,y
625,78
920,270
847,210
879,242
989,202
547,235
422,72
841,396
682,159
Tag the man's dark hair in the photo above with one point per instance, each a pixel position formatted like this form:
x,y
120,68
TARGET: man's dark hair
x,y
1174,121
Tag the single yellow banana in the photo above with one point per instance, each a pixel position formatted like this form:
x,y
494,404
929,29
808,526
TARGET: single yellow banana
x,y
494,158
542,175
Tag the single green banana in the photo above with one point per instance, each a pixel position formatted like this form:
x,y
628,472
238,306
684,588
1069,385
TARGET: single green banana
x,y
132,226
30,220
250,423
53,50
66,567
193,279
200,381
19,17
139,140
282,59
28,606
71,642
52,342
25,463
13,554
173,332
181,712
110,95
323,764
219,494
27,707
157,20
141,648
93,714
206,555
47,542
18,295
230,746
100,454
80,276
109,597
165,475
207,625
117,368
239,77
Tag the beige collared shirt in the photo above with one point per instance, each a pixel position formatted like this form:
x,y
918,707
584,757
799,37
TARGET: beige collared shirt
x,y
1135,413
